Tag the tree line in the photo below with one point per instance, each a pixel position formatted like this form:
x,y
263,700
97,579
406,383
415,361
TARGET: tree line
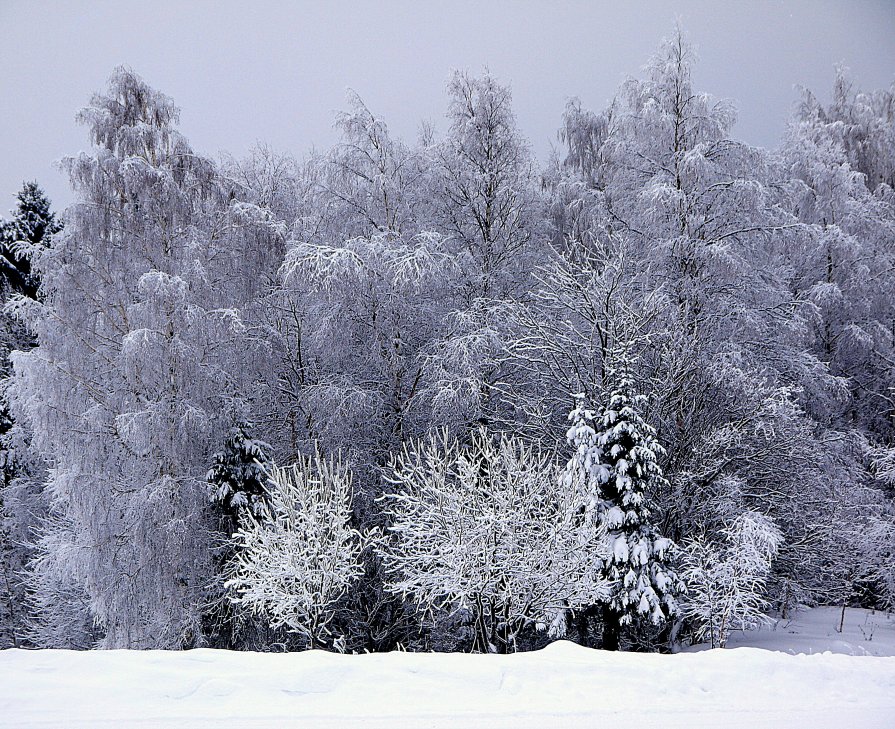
x,y
438,396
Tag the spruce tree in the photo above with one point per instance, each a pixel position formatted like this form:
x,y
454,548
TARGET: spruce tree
x,y
643,585
237,486
238,474
21,238
583,475
21,505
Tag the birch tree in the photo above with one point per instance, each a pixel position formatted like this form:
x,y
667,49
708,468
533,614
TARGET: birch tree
x,y
133,372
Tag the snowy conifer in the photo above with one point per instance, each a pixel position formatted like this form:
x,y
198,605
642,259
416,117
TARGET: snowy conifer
x,y
237,477
643,585
30,229
584,473
21,504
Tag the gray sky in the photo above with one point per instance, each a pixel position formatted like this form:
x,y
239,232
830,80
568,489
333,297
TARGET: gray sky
x,y
275,72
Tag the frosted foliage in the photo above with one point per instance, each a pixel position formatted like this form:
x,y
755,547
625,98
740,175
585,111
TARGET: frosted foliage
x,y
366,286
489,530
365,297
842,157
584,471
486,185
124,393
726,584
298,554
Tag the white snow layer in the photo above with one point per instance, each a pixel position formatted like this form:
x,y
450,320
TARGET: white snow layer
x,y
563,685
864,633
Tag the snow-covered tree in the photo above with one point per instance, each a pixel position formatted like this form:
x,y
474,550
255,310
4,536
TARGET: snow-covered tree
x,y
298,554
238,473
28,231
237,486
136,370
581,478
363,291
704,226
638,567
726,585
488,207
485,187
489,530
839,158
22,505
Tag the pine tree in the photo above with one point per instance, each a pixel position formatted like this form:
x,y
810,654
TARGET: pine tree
x,y
643,586
582,476
236,485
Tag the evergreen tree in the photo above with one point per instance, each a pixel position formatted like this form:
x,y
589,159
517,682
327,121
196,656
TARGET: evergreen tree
x,y
582,476
236,485
22,238
643,586
21,505
237,477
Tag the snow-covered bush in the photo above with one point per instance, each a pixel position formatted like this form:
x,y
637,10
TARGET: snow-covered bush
x,y
299,553
726,586
489,529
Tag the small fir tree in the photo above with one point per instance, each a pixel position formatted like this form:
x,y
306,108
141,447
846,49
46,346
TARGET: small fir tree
x,y
582,476
237,485
643,585
236,479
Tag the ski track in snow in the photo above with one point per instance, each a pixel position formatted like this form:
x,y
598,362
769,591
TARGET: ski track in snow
x,y
561,686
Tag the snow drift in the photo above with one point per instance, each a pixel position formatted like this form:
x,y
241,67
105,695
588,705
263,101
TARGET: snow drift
x,y
563,685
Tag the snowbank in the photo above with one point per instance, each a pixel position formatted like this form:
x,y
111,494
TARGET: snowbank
x,y
562,686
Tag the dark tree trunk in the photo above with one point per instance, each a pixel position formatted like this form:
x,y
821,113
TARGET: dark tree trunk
x,y
611,629
583,620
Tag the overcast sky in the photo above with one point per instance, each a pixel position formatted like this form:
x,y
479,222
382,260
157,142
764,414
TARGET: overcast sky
x,y
275,72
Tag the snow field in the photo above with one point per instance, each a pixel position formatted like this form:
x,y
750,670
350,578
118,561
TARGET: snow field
x,y
563,685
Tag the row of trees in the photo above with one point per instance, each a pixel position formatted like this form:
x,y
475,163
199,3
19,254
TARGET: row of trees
x,y
406,324
493,534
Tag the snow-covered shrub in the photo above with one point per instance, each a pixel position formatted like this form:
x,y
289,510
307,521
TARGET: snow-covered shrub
x,y
299,553
726,586
489,529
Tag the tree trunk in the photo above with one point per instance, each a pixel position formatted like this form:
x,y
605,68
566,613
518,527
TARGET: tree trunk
x,y
611,629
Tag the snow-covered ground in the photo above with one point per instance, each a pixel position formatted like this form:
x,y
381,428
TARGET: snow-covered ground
x,y
864,633
561,686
